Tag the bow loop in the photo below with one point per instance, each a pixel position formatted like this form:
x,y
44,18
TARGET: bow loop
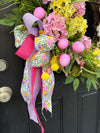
x,y
29,20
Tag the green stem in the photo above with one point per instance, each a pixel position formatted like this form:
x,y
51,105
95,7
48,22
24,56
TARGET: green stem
x,y
78,1
38,2
8,6
89,71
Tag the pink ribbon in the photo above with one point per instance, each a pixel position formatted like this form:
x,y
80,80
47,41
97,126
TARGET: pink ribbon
x,y
27,50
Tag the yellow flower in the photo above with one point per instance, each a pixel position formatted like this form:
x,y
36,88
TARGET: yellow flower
x,y
58,5
96,51
41,32
55,67
45,76
36,40
53,60
77,25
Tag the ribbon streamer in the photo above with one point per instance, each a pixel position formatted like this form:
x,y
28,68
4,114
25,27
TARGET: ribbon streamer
x,y
37,58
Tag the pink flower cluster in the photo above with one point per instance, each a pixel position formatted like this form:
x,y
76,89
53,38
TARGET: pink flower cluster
x,y
54,25
86,41
79,8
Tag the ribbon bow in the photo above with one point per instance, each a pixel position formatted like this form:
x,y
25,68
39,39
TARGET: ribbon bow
x,y
37,71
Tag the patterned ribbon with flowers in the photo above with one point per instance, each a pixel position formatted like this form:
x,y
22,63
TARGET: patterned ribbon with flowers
x,y
37,72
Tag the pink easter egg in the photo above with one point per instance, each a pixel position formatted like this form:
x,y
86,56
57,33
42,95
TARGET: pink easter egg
x,y
64,59
63,43
39,12
78,47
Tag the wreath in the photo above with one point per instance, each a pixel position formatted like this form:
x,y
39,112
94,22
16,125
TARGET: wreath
x,y
50,35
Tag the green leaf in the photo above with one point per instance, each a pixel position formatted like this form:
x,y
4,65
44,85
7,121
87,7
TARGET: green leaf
x,y
82,79
75,71
76,84
6,22
94,85
98,75
88,84
69,79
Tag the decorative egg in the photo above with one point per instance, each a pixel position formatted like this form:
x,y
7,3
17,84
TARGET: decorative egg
x,y
63,43
64,59
78,47
39,12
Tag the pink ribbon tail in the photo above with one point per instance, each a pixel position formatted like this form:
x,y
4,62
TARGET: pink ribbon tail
x,y
33,77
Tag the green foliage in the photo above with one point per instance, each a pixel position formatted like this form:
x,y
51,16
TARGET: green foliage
x,y
76,84
82,79
94,85
75,71
6,22
74,1
88,84
24,6
69,67
69,79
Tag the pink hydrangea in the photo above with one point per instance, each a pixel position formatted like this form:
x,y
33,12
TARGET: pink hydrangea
x,y
79,8
54,25
86,41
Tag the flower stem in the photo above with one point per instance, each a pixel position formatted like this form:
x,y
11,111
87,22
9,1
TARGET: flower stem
x,y
89,71
38,2
8,6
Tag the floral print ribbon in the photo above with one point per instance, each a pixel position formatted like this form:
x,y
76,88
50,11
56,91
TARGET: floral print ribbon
x,y
36,52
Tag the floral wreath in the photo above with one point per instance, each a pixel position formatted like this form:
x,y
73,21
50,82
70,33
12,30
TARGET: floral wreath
x,y
51,39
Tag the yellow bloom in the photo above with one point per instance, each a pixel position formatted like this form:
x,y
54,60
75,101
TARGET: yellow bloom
x,y
58,5
45,76
41,32
36,40
96,51
78,24
53,60
55,67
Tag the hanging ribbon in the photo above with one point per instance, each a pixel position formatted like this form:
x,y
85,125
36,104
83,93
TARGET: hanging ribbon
x,y
37,58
